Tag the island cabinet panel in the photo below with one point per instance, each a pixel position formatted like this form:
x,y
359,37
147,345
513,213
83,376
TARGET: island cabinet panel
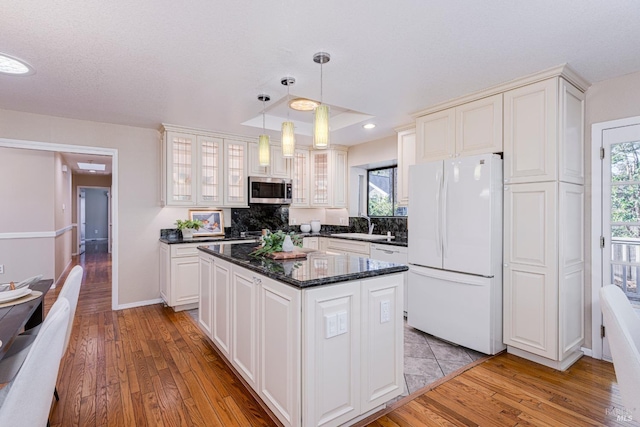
x,y
280,353
206,299
244,334
221,293
382,329
331,365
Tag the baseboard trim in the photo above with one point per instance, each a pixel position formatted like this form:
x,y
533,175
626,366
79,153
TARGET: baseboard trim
x,y
64,270
139,304
587,351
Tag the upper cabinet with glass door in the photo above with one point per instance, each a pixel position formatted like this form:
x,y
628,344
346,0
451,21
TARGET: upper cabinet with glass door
x,y
201,169
328,178
279,166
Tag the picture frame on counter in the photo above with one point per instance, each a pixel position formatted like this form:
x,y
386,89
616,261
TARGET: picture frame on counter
x,y
213,221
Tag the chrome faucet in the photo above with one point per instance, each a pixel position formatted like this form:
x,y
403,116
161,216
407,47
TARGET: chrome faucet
x,y
371,226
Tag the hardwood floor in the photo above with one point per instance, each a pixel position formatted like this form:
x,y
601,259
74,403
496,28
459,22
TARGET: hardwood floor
x,y
149,366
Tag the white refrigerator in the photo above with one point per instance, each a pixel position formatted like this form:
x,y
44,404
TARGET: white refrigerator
x,y
455,251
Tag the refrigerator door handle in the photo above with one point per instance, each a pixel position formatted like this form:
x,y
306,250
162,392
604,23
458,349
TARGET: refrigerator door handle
x,y
443,231
437,221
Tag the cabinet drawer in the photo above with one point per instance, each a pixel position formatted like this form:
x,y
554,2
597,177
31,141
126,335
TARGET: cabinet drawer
x,y
185,249
349,246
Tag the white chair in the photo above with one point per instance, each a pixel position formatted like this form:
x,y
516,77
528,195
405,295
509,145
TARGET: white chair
x,y
19,349
623,333
26,400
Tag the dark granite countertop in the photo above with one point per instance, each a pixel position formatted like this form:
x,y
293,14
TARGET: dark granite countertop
x,y
396,241
173,241
317,269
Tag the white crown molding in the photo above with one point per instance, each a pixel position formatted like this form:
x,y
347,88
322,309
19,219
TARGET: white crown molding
x,y
410,126
564,71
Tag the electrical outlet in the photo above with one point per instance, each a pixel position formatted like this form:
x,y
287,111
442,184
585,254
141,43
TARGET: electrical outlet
x,y
1,268
331,325
342,322
294,221
341,221
385,311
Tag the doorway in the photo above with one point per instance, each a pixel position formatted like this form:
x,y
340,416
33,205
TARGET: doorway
x,y
616,217
94,218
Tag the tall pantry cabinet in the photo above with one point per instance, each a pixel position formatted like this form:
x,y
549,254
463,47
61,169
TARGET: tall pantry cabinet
x,y
543,222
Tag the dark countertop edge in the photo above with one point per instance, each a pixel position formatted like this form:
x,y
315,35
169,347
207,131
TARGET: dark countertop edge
x,y
309,283
207,240
385,241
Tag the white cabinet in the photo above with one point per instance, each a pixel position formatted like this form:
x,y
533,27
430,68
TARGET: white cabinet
x,y
332,363
206,298
544,222
201,169
346,247
300,178
328,178
395,254
279,166
244,318
468,129
179,275
406,158
311,243
543,132
280,350
221,306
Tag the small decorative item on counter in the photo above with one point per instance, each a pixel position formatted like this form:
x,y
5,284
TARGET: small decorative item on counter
x,y
315,226
272,242
187,227
305,228
287,245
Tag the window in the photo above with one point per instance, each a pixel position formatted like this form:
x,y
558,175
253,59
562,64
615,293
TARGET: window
x,y
382,193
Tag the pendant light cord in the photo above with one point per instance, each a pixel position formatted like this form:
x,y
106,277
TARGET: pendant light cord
x,y
263,101
320,82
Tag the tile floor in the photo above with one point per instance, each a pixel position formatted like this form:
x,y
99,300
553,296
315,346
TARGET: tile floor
x,y
426,358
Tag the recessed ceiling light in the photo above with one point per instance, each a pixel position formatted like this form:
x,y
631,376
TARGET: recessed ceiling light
x,y
369,126
14,66
303,104
92,171
92,167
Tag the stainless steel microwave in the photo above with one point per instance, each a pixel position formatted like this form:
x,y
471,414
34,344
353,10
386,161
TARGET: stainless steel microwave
x,y
276,191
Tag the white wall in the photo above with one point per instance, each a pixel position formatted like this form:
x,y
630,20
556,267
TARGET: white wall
x,y
62,207
140,214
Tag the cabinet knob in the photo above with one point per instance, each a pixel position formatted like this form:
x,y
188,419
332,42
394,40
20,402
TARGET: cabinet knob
x,y
506,265
506,180
506,188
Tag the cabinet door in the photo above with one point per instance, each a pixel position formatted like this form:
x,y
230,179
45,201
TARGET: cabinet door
x,y
530,129
338,176
332,368
310,243
235,173
221,292
280,355
301,174
205,301
253,162
209,180
530,268
571,133
280,165
244,315
406,158
435,136
165,273
184,281
181,164
571,268
382,368
320,179
479,127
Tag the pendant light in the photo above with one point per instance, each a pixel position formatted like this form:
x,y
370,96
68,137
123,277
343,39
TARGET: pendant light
x,y
263,140
288,135
321,121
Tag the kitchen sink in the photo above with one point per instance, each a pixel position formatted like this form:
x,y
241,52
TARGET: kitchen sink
x,y
363,236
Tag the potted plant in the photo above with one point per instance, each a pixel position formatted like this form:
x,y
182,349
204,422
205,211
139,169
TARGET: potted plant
x,y
273,242
188,226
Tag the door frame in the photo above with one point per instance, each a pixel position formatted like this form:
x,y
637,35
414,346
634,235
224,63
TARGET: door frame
x,y
80,149
597,130
109,213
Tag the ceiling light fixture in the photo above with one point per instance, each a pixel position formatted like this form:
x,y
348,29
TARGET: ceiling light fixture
x,y
321,122
263,140
288,129
91,166
14,66
303,104
369,126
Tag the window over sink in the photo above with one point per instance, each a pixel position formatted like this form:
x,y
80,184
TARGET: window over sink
x,y
382,193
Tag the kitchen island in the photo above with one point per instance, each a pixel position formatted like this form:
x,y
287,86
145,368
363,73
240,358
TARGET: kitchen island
x,y
319,340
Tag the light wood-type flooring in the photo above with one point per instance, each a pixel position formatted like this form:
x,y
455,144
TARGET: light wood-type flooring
x,y
149,366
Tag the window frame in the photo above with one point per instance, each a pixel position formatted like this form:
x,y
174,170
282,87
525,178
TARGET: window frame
x,y
394,186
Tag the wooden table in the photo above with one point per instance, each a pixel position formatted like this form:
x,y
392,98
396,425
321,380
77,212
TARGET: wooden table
x,y
27,315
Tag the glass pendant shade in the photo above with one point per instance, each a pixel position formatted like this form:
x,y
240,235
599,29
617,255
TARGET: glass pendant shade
x,y
321,127
263,150
288,139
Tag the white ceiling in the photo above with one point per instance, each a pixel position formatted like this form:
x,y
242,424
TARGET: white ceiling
x,y
72,159
202,63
